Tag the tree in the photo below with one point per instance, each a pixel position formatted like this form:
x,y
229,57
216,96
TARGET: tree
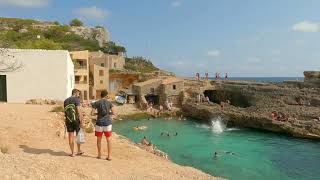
x,y
56,23
112,48
7,62
76,22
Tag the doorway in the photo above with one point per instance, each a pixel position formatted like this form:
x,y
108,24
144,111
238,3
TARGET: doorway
x,y
3,88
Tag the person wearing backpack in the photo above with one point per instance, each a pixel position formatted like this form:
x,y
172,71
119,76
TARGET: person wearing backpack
x,y
104,124
74,117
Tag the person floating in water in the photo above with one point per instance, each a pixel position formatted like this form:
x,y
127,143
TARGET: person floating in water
x,y
215,155
176,134
229,152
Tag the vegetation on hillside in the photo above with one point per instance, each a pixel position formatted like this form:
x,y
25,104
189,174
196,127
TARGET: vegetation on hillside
x,y
140,64
113,48
20,34
76,22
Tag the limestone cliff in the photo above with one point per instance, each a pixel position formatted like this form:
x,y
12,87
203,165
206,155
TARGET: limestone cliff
x,y
98,33
251,105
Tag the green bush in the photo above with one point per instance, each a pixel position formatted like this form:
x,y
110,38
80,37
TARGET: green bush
x,y
76,22
140,64
113,48
57,109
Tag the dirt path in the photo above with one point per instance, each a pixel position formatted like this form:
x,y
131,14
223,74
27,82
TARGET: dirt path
x,y
36,152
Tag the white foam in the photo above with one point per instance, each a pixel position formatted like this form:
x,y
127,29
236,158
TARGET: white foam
x,y
218,125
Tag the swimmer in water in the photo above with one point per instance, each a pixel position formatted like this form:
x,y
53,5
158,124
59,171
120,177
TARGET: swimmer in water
x,y
176,134
231,153
215,155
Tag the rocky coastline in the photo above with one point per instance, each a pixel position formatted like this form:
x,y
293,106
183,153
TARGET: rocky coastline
x,y
252,105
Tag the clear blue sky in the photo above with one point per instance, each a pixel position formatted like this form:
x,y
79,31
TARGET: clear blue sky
x,y
241,37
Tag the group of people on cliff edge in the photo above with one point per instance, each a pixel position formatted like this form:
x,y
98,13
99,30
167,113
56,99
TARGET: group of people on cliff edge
x,y
74,121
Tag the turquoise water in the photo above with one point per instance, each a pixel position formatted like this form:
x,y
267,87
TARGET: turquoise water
x,y
258,155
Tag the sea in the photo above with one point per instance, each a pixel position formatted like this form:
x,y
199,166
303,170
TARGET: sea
x,y
265,79
241,154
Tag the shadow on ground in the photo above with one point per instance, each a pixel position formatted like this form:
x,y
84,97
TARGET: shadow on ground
x,y
31,150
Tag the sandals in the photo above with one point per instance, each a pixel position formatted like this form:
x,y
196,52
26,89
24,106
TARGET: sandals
x,y
108,159
80,153
72,155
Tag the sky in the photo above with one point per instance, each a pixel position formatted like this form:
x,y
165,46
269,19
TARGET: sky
x,y
247,38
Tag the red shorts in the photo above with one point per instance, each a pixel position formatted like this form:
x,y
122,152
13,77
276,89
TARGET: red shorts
x,y
106,130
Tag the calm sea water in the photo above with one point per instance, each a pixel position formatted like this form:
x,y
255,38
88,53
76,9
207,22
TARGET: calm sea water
x,y
265,79
258,155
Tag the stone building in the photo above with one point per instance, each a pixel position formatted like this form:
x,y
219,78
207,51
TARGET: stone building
x,y
81,72
45,74
91,76
111,61
99,79
172,89
160,90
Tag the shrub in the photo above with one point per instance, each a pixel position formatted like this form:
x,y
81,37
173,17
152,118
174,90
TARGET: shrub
x,y
76,22
57,109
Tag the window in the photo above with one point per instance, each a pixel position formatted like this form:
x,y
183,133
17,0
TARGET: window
x,y
77,79
101,81
115,65
85,79
174,87
102,64
85,95
101,72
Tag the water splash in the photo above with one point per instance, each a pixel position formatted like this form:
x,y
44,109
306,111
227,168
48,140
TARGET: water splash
x,y
218,125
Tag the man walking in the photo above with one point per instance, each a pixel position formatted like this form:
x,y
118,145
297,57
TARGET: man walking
x,y
104,123
74,118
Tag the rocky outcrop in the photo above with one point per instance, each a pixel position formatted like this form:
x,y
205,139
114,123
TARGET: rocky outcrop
x,y
312,78
98,33
251,104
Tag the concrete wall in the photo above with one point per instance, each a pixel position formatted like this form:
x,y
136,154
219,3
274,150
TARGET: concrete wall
x,y
45,74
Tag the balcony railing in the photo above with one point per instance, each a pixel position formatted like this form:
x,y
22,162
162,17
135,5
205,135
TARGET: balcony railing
x,y
81,82
81,67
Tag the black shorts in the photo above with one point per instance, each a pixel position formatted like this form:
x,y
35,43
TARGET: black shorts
x,y
73,126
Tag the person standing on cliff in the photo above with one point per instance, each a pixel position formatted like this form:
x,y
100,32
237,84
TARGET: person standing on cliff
x,y
74,118
104,124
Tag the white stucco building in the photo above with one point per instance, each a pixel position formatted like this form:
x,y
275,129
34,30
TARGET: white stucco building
x,y
47,74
